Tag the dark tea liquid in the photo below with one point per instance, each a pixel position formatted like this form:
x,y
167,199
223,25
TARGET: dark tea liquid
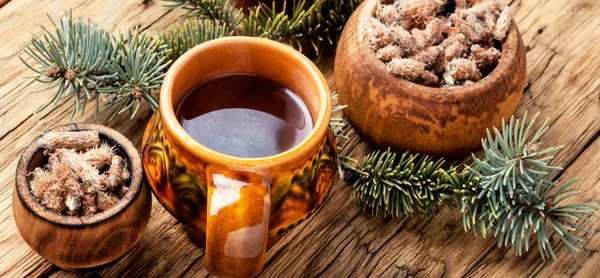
x,y
245,115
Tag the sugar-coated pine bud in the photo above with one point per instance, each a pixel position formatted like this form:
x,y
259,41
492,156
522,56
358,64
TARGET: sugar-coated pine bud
x,y
473,28
99,157
485,58
463,69
412,70
453,47
453,51
479,9
418,12
88,203
78,140
402,38
428,56
434,30
431,35
389,52
389,14
489,20
503,24
378,34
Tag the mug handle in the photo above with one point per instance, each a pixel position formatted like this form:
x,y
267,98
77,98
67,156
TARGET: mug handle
x,y
237,222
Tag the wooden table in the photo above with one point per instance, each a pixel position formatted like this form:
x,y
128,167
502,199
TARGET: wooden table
x,y
563,54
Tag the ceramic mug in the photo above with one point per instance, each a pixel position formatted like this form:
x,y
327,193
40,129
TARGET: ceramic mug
x,y
239,202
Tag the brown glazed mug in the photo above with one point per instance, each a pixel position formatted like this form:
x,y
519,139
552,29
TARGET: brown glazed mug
x,y
239,203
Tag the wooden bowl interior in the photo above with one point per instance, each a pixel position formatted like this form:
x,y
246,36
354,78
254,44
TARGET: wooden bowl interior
x,y
508,49
33,157
390,111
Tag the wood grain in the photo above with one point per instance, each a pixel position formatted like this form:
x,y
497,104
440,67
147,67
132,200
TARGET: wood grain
x,y
563,61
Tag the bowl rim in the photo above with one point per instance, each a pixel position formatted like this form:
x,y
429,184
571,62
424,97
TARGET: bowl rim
x,y
135,187
510,47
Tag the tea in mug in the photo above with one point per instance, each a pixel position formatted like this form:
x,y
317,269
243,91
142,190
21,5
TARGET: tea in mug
x,y
245,115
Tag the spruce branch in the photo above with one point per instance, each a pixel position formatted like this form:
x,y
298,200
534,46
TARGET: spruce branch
x,y
140,67
509,193
77,57
513,162
182,37
218,10
316,24
73,57
395,186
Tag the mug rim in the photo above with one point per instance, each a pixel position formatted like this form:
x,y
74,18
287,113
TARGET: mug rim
x,y
310,142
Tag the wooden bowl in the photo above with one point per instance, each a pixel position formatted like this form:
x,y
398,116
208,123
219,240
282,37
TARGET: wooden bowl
x,y
389,111
87,241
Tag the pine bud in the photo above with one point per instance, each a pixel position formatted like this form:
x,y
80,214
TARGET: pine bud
x,y
54,197
503,24
463,69
41,180
74,193
485,58
78,140
84,171
389,52
378,34
402,38
418,12
113,176
99,157
428,56
389,14
412,70
479,9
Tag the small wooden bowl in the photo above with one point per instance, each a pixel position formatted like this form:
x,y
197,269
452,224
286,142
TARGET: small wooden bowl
x,y
389,111
87,241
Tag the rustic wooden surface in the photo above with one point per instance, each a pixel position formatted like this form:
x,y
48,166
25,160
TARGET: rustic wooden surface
x,y
562,39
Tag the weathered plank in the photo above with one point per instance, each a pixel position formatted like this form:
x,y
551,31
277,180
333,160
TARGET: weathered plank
x,y
563,61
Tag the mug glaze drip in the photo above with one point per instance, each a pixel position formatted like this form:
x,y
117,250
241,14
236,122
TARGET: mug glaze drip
x,y
239,203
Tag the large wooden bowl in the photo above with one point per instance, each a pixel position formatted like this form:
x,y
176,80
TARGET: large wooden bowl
x,y
389,111
87,241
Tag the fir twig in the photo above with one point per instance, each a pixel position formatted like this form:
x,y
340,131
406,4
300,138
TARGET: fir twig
x,y
389,185
76,57
298,23
219,10
182,37
73,57
509,192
